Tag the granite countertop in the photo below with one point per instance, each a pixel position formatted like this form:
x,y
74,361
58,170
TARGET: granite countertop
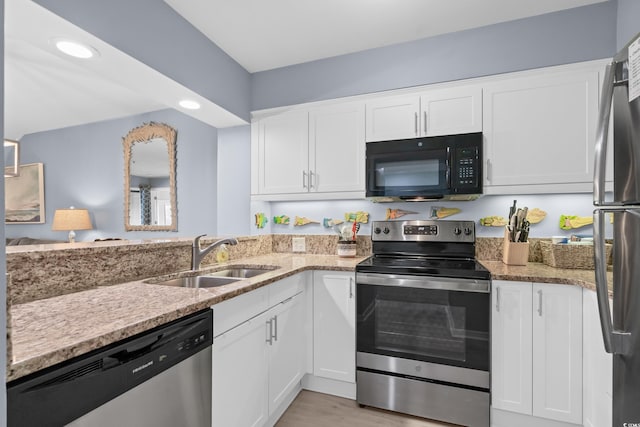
x,y
538,272
48,331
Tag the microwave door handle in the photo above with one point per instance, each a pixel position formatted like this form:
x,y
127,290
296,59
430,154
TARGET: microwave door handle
x,y
448,168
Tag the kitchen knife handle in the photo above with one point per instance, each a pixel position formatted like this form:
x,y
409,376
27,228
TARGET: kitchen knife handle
x,y
602,132
415,122
615,341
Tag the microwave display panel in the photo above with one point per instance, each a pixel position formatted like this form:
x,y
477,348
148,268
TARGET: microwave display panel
x,y
409,173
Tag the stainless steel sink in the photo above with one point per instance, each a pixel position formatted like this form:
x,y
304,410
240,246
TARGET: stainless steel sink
x,y
199,281
241,272
211,279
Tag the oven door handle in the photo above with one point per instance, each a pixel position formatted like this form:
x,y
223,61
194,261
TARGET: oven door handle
x,y
423,282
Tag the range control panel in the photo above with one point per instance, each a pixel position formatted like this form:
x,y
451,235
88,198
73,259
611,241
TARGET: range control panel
x,y
424,230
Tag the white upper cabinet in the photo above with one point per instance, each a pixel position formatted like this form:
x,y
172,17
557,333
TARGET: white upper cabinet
x,y
437,112
396,117
540,132
316,153
337,148
283,153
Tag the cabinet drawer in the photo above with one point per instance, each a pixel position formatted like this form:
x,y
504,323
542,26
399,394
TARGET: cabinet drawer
x,y
285,288
232,312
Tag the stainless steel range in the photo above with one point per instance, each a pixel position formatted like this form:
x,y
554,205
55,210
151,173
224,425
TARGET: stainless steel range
x,y
423,309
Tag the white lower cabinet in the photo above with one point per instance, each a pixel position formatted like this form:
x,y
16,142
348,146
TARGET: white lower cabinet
x,y
240,375
258,363
334,329
536,353
598,367
286,349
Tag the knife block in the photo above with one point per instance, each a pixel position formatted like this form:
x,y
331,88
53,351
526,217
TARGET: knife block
x,y
514,253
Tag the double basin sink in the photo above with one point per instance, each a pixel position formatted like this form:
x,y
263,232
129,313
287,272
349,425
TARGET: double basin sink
x,y
215,278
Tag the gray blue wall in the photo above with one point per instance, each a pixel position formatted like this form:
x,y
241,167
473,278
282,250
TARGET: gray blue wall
x,y
3,267
234,180
84,167
628,21
573,35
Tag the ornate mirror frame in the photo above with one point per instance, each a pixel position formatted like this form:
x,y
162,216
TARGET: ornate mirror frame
x,y
142,135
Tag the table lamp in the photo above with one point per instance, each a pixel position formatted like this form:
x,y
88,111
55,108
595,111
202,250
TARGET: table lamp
x,y
71,219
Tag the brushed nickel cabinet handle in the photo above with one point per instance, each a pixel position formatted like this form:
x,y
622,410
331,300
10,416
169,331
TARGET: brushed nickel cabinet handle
x,y
540,302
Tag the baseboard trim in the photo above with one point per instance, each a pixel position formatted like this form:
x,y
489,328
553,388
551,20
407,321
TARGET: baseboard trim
x,y
327,386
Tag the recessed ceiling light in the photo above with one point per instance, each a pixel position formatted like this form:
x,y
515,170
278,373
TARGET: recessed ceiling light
x,y
75,49
189,104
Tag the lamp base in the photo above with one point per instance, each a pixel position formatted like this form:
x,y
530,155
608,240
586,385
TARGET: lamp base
x,y
72,236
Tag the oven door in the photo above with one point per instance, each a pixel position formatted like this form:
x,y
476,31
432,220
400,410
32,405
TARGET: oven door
x,y
438,320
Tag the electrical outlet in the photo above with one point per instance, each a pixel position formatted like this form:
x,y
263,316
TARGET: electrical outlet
x,y
298,244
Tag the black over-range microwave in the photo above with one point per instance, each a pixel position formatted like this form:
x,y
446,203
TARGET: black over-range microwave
x,y
439,167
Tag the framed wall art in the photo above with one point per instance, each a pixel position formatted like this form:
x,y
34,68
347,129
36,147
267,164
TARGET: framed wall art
x,y
24,196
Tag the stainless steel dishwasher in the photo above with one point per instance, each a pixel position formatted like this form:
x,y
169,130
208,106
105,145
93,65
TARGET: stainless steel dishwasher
x,y
161,377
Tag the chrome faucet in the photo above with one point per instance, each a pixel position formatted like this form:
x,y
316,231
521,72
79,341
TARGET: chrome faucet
x,y
198,254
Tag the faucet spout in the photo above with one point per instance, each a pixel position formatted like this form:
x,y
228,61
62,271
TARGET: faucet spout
x,y
197,254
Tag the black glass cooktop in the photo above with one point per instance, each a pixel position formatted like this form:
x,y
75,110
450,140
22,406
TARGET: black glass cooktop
x,y
426,266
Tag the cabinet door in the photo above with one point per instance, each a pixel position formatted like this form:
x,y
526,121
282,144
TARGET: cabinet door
x,y
394,117
557,352
511,346
283,152
334,339
451,111
540,131
287,350
597,368
337,148
240,395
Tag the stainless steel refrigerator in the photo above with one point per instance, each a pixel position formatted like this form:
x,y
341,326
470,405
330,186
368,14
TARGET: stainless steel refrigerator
x,y
621,332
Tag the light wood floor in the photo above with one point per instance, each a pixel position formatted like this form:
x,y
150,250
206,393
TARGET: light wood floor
x,y
312,409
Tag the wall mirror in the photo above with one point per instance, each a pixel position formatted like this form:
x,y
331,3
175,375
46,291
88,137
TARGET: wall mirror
x,y
150,178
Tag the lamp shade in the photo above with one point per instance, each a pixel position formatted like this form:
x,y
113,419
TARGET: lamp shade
x,y
71,219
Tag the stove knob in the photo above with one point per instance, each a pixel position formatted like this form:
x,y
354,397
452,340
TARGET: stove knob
x,y
457,231
467,231
377,230
386,230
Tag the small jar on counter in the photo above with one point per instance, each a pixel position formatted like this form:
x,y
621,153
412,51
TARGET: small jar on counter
x,y
347,248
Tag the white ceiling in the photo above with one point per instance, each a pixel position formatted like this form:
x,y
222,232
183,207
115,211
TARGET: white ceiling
x,y
45,89
262,35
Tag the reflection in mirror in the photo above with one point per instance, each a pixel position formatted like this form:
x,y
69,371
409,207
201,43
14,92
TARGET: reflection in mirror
x,y
150,178
11,158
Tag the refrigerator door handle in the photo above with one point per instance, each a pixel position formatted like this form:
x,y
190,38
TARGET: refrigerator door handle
x,y
615,342
602,131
